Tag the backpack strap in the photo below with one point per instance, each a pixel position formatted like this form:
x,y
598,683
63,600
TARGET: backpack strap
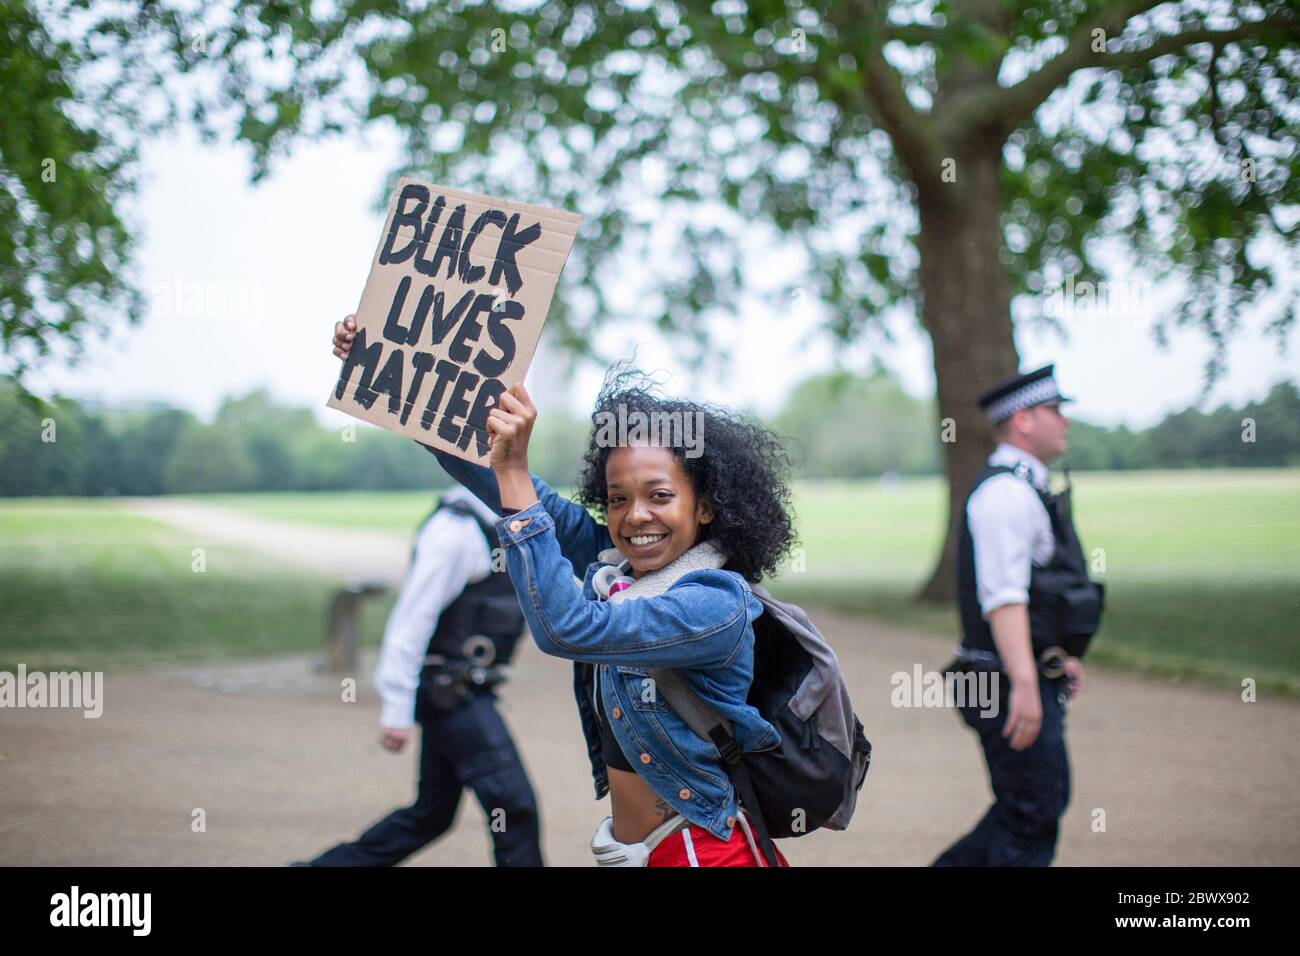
x,y
708,724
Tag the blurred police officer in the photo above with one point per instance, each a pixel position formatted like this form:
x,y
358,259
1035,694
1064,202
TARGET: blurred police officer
x,y
1027,612
453,629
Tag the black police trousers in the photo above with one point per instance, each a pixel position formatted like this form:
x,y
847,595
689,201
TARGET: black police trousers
x,y
1031,787
466,747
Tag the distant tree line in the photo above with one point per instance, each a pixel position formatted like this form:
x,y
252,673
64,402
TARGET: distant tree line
x,y
62,447
1258,434
845,426
836,425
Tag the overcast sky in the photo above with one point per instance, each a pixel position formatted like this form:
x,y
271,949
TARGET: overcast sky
x,y
246,283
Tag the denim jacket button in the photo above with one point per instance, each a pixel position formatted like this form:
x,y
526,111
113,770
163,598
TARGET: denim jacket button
x,y
684,793
731,822
516,526
645,758
616,713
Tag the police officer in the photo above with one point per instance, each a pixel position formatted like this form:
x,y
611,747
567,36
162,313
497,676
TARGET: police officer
x,y
1028,611
456,592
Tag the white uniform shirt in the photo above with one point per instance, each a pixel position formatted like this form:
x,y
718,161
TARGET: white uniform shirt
x,y
450,553
1010,529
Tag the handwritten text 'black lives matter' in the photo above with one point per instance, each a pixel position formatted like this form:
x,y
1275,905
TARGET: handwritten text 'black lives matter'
x,y
439,337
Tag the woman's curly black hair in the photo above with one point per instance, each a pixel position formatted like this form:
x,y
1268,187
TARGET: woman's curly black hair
x,y
741,472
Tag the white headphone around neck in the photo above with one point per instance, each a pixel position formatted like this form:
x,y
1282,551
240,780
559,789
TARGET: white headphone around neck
x,y
609,580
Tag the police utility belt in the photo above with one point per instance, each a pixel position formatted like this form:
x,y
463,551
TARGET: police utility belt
x,y
1051,661
450,680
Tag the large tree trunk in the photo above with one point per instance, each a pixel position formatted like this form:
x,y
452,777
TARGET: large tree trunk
x,y
966,309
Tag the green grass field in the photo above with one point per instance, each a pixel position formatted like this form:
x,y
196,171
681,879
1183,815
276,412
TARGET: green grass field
x,y
86,587
1202,570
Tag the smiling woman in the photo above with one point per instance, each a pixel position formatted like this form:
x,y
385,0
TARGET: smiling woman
x,y
733,467
653,512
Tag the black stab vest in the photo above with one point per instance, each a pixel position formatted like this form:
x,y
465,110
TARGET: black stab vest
x,y
1064,605
487,609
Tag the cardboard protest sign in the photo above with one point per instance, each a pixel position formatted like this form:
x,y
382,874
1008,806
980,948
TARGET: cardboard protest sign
x,y
449,319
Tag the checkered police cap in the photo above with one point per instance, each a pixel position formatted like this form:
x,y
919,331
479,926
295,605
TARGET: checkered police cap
x,y
1021,391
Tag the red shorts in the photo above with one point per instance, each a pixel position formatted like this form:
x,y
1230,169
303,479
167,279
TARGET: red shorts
x,y
696,846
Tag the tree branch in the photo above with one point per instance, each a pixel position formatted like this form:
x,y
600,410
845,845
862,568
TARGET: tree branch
x,y
885,101
914,34
913,134
1015,104
1221,137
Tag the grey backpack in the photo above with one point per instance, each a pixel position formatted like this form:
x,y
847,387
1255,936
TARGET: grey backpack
x,y
811,780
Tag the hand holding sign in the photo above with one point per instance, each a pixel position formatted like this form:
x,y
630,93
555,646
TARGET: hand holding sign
x,y
445,328
344,333
510,426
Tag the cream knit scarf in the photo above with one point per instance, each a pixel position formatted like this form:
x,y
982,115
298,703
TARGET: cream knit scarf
x,y
706,554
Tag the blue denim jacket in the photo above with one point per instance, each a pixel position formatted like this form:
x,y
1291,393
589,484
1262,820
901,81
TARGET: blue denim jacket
x,y
703,625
